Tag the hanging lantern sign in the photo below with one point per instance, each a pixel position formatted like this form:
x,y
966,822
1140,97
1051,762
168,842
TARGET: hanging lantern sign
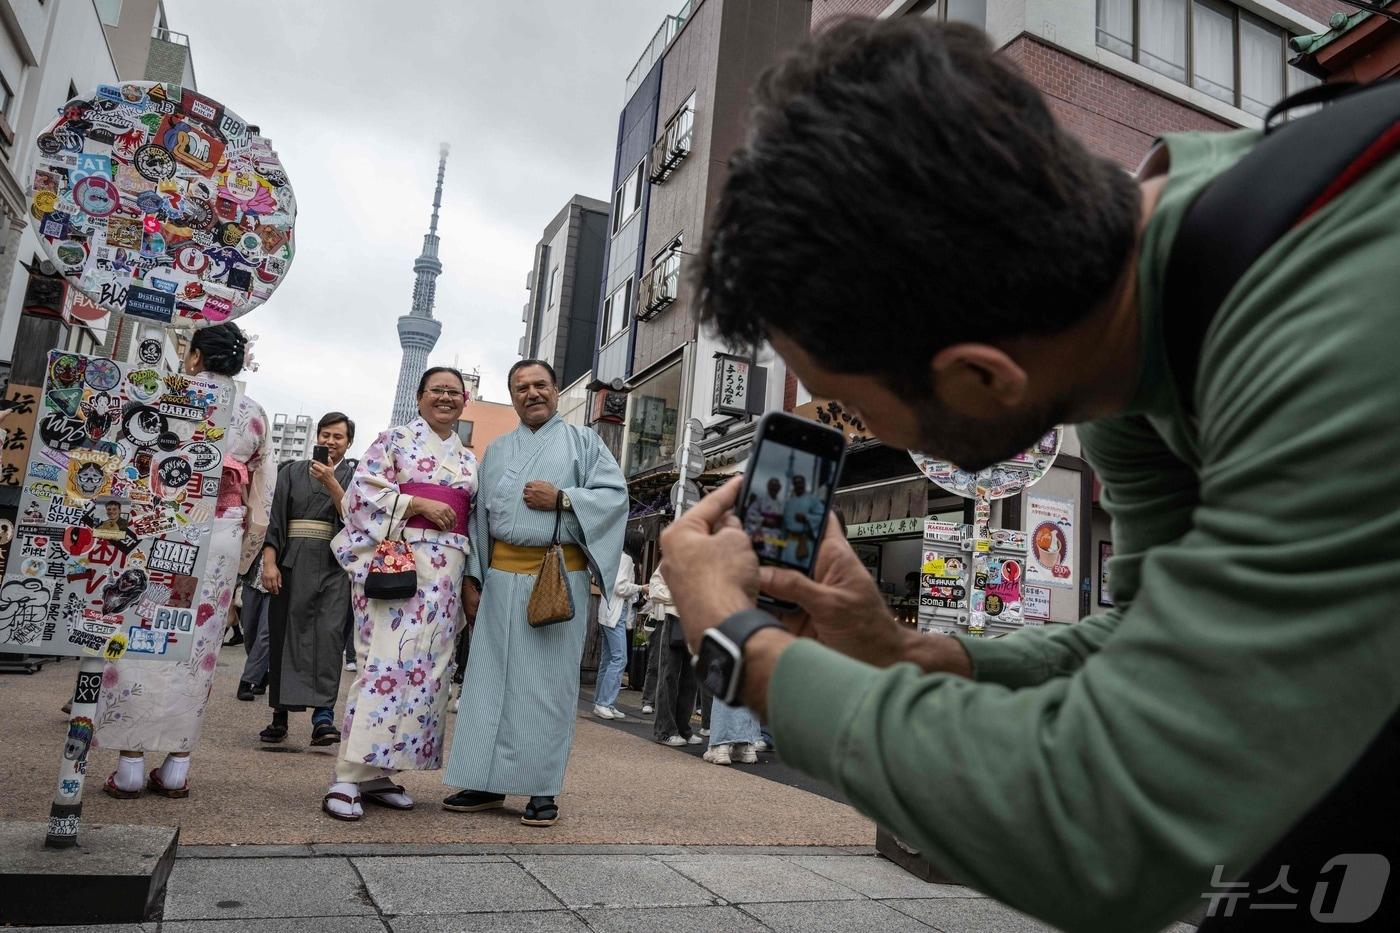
x,y
160,203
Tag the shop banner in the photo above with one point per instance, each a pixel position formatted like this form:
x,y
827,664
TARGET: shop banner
x,y
119,492
23,400
1051,524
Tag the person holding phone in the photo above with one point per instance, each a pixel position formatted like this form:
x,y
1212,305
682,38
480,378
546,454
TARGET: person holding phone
x,y
1234,715
309,591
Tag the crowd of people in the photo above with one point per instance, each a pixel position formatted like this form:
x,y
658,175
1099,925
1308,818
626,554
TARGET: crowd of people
x,y
311,544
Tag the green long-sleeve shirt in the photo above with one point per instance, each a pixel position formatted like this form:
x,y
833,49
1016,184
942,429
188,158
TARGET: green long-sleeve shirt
x,y
1094,774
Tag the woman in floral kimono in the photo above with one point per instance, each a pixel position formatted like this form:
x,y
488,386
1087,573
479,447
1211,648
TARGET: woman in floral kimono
x,y
416,481
153,706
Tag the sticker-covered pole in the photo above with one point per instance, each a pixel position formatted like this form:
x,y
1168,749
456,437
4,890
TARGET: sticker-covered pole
x,y
67,804
981,548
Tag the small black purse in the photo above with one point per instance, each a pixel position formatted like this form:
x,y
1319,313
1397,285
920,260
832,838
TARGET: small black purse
x,y
393,573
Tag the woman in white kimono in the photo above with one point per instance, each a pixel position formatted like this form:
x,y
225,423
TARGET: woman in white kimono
x,y
150,706
416,481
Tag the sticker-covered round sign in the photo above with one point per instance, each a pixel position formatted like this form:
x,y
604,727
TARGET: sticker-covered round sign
x,y
1000,480
160,203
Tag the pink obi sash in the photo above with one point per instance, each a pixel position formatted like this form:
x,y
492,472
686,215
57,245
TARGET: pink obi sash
x,y
232,482
459,499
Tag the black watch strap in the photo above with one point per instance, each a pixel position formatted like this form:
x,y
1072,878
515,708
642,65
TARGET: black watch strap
x,y
742,625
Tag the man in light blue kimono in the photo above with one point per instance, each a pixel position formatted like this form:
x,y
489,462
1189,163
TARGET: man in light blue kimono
x,y
802,519
515,722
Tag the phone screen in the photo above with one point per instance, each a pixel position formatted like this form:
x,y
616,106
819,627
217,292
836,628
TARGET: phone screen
x,y
321,454
788,491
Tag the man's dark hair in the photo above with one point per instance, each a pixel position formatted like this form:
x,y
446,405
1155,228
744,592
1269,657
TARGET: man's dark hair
x,y
903,188
510,376
337,417
433,371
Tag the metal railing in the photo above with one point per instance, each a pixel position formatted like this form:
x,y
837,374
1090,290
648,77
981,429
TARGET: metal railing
x,y
674,145
660,286
169,35
669,29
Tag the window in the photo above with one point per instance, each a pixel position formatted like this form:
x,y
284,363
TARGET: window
x,y
617,311
109,11
553,288
627,200
662,284
1231,55
652,410
953,11
674,145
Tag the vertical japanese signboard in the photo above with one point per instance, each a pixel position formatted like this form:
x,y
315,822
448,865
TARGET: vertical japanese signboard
x,y
119,490
731,396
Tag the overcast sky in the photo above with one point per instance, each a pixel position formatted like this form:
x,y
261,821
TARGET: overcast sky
x,y
356,95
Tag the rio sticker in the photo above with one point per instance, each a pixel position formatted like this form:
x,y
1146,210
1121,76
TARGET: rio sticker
x,y
113,522
160,203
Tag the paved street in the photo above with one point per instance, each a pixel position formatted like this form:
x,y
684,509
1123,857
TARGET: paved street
x,y
640,846
627,889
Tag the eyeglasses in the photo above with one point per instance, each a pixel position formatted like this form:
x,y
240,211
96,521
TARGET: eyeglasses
x,y
452,394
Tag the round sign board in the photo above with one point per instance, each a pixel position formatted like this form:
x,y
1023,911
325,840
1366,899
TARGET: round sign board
x,y
160,203
1000,480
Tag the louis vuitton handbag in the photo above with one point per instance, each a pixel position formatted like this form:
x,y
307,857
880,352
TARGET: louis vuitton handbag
x,y
393,573
551,601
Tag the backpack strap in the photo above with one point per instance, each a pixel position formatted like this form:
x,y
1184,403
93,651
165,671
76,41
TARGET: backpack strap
x,y
1294,170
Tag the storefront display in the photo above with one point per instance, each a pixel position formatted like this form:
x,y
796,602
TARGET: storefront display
x,y
652,412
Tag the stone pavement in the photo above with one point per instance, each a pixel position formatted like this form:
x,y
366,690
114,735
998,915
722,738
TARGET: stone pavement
x,y
560,889
619,788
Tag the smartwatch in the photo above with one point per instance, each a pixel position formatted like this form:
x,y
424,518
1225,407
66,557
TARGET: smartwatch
x,y
720,662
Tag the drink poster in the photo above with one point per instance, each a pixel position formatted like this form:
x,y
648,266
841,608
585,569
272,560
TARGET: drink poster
x,y
114,516
1051,525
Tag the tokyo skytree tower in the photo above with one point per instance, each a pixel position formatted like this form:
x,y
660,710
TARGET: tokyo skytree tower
x,y
419,330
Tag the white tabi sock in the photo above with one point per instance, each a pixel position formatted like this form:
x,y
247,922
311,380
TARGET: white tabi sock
x,y
339,806
131,772
174,771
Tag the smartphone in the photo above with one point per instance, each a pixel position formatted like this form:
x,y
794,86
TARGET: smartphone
x,y
788,488
321,454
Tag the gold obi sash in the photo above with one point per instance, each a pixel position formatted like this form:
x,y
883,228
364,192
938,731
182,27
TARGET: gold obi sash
x,y
307,528
513,558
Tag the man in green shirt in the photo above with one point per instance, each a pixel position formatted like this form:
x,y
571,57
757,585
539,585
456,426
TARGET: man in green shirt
x,y
912,232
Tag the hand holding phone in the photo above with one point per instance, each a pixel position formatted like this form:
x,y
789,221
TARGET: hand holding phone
x,y
788,488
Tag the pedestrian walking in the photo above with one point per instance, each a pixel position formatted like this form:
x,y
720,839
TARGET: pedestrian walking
x,y
253,613
159,707
310,590
545,481
734,735
675,678
1222,330
654,616
415,484
616,625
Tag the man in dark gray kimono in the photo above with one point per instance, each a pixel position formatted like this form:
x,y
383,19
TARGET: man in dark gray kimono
x,y
310,591
515,723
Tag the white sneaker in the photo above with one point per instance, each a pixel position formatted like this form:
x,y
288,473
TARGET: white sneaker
x,y
762,746
648,708
350,665
674,741
718,755
603,712
747,756
694,740
617,713
705,733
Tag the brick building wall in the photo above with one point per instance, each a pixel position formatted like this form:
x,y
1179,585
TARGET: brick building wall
x,y
825,10
1320,10
1110,114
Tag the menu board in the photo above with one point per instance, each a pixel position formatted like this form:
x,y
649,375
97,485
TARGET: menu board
x,y
114,516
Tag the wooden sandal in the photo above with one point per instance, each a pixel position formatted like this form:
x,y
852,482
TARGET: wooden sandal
x,y
376,796
544,814
343,798
112,790
154,785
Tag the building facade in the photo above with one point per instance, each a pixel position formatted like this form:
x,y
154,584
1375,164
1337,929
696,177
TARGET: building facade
x,y
1117,74
683,117
419,330
292,437
560,315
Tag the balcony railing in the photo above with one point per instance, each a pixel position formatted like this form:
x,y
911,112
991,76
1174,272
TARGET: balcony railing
x,y
660,286
674,145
